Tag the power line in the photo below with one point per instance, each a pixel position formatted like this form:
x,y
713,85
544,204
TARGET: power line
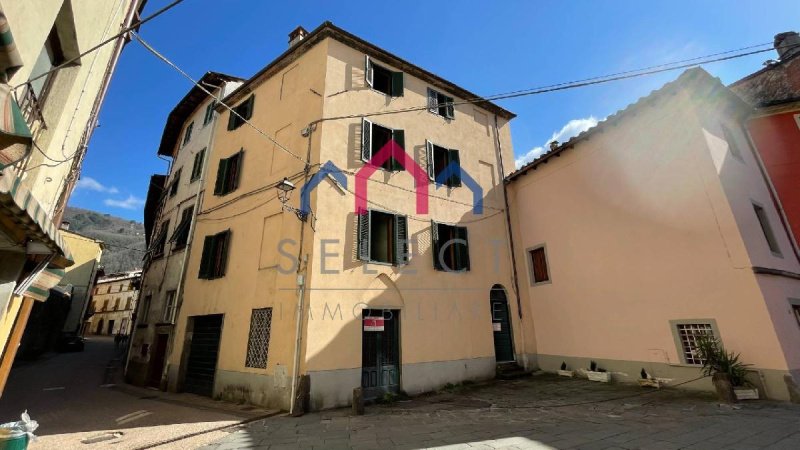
x,y
232,111
69,62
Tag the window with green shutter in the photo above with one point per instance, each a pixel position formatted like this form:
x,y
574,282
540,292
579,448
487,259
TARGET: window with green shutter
x,y
441,104
375,137
197,166
241,113
187,136
382,79
228,174
209,116
450,246
383,238
439,158
173,187
214,260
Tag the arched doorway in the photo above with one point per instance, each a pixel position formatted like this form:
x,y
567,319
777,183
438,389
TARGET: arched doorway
x,y
99,327
501,324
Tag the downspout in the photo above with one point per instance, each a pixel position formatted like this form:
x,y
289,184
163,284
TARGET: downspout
x,y
509,232
302,264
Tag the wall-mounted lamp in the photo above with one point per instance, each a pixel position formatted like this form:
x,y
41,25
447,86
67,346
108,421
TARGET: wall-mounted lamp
x,y
285,188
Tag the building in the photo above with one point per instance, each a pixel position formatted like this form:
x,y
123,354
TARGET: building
x,y
63,311
113,303
51,99
170,209
279,232
774,127
651,229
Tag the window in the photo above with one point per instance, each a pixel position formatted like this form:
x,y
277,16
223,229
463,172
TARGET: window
x,y
689,334
173,188
170,306
767,229
129,303
383,80
105,305
187,135
161,240
450,246
145,309
116,304
441,104
382,237
796,312
228,174
538,265
731,140
258,341
215,255
181,234
439,159
375,137
51,56
209,116
245,110
197,166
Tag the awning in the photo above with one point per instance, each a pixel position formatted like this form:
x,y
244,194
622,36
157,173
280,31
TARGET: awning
x,y
19,207
43,281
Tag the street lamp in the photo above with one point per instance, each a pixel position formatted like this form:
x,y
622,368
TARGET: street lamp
x,y
285,188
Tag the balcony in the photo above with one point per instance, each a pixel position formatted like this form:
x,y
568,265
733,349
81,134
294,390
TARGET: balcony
x,y
31,108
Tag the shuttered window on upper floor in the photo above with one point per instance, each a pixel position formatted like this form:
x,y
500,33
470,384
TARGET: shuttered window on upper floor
x,y
382,79
441,104
228,173
444,165
242,112
382,237
375,143
450,246
214,259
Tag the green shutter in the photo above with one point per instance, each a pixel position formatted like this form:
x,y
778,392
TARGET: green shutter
x,y
401,240
369,73
249,107
366,140
397,84
451,114
462,251
429,156
222,175
232,119
435,245
223,244
455,177
433,103
399,137
363,235
237,162
205,260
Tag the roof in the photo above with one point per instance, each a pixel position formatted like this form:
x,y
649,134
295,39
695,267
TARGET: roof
x,y
154,191
778,82
113,277
692,77
184,109
329,30
102,244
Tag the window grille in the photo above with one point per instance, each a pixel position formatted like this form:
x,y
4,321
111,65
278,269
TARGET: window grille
x,y
258,342
690,334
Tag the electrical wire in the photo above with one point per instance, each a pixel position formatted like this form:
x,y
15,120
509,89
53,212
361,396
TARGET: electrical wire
x,y
134,26
217,97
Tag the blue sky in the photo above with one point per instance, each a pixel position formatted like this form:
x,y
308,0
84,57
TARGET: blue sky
x,y
486,47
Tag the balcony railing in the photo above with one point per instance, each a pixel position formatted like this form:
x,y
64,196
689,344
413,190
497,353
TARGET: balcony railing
x,y
31,108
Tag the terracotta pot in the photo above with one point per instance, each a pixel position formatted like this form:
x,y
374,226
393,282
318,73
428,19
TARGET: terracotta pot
x,y
724,387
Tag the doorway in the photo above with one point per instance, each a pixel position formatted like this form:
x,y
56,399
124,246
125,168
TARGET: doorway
x,y
157,361
110,327
380,352
201,365
501,325
99,329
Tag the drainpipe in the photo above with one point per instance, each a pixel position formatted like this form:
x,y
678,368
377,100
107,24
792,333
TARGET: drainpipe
x,y
301,283
509,230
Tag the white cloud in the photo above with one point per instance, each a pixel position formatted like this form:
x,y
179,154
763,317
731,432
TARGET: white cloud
x,y
93,185
572,128
129,203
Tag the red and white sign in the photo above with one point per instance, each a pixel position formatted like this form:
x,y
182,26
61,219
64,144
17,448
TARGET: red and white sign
x,y
373,323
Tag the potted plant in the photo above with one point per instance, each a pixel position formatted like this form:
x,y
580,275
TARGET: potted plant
x,y
564,372
596,373
728,374
648,380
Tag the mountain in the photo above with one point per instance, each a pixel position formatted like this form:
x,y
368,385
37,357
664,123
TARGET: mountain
x,y
124,238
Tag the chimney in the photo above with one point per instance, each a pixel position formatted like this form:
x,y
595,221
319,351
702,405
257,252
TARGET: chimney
x,y
297,35
65,225
787,44
553,145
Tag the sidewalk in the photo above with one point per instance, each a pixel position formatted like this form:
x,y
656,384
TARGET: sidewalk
x,y
538,412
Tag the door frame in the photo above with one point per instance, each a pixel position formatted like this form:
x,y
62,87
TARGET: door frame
x,y
396,313
187,349
501,288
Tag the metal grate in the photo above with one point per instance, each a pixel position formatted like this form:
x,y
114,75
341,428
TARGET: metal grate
x,y
258,342
689,334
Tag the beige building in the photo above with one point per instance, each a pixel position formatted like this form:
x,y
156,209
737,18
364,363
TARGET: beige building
x,y
651,229
80,278
49,116
328,102
113,303
170,210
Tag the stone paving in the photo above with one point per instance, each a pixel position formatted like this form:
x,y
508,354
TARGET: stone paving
x,y
538,412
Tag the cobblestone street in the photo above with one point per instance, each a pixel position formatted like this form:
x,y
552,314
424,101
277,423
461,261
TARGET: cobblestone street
x,y
538,412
